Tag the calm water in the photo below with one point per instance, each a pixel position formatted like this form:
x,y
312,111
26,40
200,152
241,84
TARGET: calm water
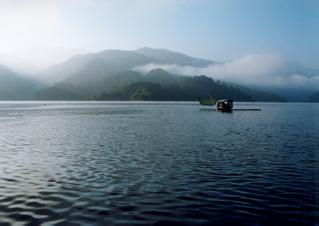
x,y
103,163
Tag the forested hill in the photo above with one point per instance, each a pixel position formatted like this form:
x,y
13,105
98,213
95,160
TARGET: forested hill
x,y
314,97
118,74
183,89
155,85
16,87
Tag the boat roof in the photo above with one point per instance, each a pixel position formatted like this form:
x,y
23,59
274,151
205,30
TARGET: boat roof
x,y
223,100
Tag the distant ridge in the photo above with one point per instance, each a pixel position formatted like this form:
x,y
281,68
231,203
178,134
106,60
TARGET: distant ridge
x,y
86,76
170,57
158,84
16,87
314,97
120,60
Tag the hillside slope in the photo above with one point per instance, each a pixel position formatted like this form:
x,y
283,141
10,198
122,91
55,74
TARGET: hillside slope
x,y
159,83
16,87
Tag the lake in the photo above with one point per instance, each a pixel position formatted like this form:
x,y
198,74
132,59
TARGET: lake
x,y
158,163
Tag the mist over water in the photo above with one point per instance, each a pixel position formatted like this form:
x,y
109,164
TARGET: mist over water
x,y
259,70
102,163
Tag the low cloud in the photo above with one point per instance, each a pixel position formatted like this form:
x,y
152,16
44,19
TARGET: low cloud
x,y
256,70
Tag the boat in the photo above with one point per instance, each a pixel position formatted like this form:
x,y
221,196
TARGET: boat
x,y
225,105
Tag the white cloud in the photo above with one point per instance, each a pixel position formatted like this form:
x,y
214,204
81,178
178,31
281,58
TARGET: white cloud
x,y
261,70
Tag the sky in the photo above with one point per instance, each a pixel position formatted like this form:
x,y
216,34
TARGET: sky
x,y
219,30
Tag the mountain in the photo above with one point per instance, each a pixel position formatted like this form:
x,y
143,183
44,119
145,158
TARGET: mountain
x,y
268,72
116,61
111,72
16,87
87,90
94,70
177,88
60,91
155,85
292,94
164,56
314,97
260,95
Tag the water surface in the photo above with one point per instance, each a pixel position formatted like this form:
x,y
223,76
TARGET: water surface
x,y
124,163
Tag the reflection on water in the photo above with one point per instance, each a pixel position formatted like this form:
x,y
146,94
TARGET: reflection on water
x,y
100,163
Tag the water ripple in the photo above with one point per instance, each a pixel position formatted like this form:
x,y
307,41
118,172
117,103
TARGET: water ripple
x,y
140,164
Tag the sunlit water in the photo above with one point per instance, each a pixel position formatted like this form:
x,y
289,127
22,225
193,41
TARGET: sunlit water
x,y
99,163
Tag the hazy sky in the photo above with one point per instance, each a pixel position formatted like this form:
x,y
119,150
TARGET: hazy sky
x,y
217,30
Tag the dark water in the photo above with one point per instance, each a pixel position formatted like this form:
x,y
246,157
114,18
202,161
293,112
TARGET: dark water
x,y
167,164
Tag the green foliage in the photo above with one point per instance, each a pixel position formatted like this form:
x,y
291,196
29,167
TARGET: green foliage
x,y
160,85
62,91
156,85
208,101
141,94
